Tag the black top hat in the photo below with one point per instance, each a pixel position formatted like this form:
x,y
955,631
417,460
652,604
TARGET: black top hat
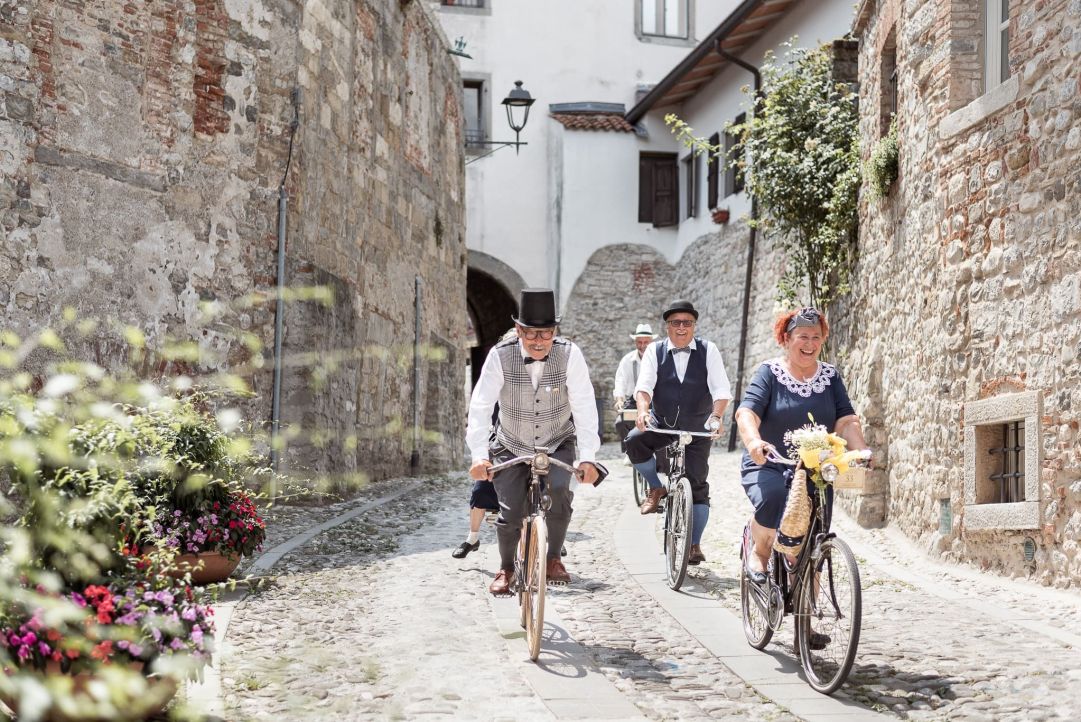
x,y
680,307
537,308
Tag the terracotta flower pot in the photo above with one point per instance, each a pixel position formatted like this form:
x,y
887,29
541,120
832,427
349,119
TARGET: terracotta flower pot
x,y
205,567
720,215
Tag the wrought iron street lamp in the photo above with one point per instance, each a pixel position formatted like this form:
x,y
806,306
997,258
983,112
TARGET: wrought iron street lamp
x,y
517,103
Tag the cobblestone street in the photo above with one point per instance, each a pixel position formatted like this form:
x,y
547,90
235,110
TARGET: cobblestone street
x,y
372,619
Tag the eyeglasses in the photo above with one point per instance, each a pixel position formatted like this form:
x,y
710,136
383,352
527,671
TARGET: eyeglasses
x,y
681,323
534,333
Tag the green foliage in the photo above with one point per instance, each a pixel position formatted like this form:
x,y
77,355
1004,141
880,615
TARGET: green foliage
x,y
799,152
884,164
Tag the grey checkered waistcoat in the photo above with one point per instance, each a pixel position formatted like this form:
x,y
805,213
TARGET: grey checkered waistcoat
x,y
529,418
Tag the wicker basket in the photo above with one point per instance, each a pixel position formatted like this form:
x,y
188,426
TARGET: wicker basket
x,y
855,478
797,517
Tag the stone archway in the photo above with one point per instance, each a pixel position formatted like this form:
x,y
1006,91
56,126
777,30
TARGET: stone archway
x,y
491,306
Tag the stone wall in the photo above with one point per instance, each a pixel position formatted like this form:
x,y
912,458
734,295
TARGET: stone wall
x,y
141,150
979,246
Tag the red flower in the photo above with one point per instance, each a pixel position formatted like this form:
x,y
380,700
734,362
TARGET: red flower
x,y
102,650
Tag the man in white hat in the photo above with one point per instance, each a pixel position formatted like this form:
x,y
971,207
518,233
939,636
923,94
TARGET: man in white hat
x,y
627,377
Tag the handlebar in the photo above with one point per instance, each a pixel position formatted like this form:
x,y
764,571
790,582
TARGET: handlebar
x,y
540,462
530,460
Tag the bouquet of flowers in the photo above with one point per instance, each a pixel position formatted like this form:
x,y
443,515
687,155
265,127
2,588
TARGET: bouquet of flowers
x,y
823,454
821,451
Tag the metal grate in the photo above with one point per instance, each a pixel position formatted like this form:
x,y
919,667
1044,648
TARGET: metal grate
x,y
464,3
1011,480
474,137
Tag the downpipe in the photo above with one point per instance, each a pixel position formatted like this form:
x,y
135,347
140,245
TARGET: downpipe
x,y
279,305
749,274
414,457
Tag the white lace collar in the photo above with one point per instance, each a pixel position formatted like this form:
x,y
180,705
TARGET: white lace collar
x,y
816,384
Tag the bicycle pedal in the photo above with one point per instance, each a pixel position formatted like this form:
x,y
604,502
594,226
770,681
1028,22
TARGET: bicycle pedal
x,y
556,584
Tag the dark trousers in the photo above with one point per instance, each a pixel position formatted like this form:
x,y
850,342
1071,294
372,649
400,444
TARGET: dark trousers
x,y
512,486
642,444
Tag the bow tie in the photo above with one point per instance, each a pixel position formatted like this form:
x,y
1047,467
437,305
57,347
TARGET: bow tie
x,y
529,359
685,349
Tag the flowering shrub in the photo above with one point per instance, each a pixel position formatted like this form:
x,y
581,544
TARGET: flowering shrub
x,y
137,623
230,526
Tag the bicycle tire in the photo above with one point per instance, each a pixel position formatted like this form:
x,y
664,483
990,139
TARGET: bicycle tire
x,y
641,488
536,582
754,602
677,533
520,560
831,606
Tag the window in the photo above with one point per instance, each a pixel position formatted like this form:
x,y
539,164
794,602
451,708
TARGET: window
x,y
887,84
713,164
658,189
996,66
1009,481
690,171
733,175
1002,461
464,3
473,100
665,18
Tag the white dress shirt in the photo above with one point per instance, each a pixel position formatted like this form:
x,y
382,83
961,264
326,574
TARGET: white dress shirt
x,y
626,377
716,378
579,394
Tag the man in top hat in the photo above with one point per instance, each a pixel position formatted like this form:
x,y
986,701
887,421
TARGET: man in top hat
x,y
545,398
627,377
682,385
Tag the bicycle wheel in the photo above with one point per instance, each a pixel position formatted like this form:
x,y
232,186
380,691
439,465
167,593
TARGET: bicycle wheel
x,y
521,558
755,602
532,599
829,612
677,533
641,488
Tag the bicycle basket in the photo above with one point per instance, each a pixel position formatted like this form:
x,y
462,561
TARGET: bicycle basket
x,y
797,517
855,478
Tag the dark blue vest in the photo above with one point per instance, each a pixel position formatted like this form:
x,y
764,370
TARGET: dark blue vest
x,y
684,406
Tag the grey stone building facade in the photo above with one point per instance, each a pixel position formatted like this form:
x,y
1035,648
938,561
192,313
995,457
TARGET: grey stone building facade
x,y
975,347
141,151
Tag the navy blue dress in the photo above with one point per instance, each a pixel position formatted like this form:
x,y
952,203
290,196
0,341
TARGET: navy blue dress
x,y
782,403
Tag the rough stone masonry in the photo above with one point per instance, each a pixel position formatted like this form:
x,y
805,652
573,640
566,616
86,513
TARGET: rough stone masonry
x,y
141,150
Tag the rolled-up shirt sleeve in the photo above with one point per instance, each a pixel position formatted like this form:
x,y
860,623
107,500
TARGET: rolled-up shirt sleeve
x,y
647,374
481,405
716,378
583,405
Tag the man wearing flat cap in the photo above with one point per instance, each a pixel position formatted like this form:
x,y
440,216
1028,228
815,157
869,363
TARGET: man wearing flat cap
x,y
545,397
682,385
627,377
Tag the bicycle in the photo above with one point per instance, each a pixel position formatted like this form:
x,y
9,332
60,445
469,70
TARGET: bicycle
x,y
821,587
678,507
531,556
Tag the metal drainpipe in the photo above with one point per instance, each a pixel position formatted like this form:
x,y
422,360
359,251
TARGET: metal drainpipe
x,y
750,250
414,458
279,306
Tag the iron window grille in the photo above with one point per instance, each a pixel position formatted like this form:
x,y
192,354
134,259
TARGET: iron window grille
x,y
1011,480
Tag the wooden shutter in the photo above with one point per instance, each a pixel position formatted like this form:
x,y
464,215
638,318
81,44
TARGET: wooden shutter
x,y
665,191
713,163
645,189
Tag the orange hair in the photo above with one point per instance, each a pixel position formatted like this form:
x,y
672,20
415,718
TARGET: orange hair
x,y
782,322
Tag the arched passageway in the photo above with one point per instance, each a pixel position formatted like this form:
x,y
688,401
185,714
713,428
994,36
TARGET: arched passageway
x,y
491,307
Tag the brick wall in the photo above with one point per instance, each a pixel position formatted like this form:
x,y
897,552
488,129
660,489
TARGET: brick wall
x,y
141,148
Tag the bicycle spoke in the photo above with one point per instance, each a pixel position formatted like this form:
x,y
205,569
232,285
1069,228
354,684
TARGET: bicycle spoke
x,y
829,622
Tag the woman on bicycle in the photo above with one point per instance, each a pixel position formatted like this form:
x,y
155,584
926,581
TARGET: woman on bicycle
x,y
781,394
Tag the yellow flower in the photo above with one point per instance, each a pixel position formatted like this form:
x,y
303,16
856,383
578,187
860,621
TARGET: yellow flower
x,y
809,457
